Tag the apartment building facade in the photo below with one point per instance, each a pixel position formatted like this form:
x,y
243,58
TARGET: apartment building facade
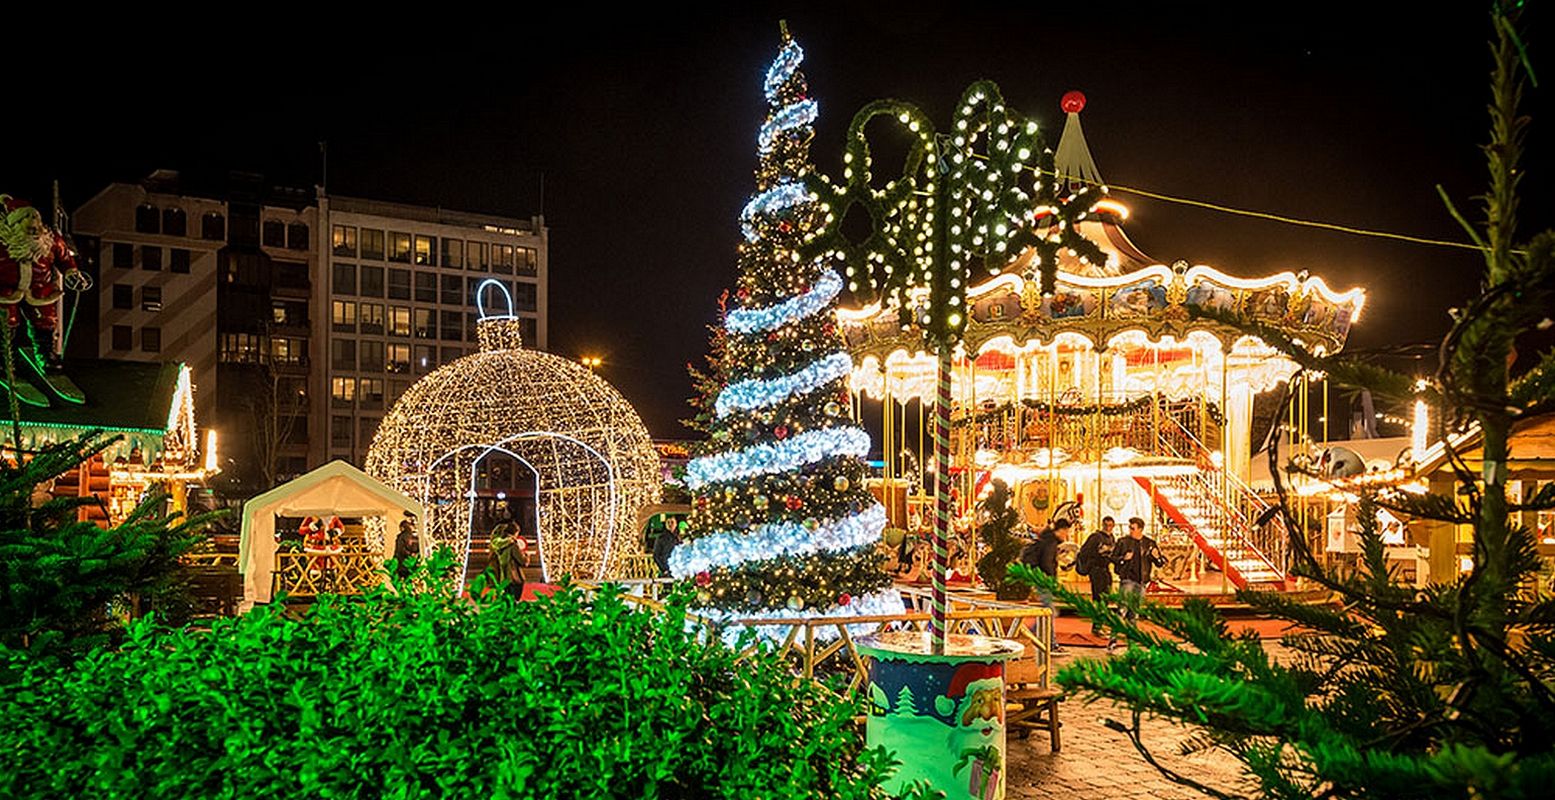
x,y
302,316
400,300
217,276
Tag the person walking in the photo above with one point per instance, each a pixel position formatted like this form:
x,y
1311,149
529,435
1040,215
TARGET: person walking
x,y
1042,555
1095,562
1134,557
407,548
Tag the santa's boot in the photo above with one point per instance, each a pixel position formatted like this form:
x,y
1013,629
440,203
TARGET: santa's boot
x,y
25,392
48,368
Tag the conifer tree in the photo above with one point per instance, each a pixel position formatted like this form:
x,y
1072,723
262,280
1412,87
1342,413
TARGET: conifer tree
x,y
781,521
58,574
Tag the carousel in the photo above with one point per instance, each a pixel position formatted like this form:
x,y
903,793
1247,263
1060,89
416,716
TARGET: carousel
x,y
1127,392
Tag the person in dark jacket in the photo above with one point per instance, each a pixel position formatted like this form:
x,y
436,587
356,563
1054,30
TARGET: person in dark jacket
x,y
1042,555
666,544
407,548
1095,562
1134,557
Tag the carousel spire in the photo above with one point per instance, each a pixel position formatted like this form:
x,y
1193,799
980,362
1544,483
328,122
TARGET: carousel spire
x,y
1073,161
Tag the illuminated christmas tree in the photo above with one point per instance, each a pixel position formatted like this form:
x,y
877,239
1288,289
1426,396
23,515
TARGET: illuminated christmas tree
x,y
781,521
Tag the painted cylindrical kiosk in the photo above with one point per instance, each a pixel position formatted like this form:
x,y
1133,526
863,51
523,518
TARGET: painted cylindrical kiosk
x,y
941,715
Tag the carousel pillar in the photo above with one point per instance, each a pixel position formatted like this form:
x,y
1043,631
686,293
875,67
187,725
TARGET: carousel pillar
x,y
1239,430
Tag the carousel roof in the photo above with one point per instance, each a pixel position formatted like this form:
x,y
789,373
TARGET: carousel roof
x,y
1156,300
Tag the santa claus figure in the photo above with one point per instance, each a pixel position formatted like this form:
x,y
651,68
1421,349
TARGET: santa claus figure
x,y
36,267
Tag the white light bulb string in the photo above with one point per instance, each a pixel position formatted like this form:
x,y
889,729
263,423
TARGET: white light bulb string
x,y
884,603
786,538
783,67
789,454
760,320
749,395
793,115
782,196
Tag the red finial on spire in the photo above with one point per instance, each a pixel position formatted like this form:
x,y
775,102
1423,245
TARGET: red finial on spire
x,y
1073,102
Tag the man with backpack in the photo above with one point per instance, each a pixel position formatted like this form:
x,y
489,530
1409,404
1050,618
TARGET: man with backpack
x,y
1095,562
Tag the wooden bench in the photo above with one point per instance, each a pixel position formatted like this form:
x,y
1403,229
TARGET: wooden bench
x,y
1029,702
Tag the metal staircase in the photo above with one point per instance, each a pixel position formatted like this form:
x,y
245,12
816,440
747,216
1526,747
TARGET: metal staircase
x,y
1220,514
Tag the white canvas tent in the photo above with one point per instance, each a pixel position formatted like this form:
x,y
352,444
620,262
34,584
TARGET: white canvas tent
x,y
336,488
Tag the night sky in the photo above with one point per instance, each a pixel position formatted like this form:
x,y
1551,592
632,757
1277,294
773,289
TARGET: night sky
x,y
643,125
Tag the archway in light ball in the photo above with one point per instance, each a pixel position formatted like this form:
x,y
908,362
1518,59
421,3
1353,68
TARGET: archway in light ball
x,y
594,463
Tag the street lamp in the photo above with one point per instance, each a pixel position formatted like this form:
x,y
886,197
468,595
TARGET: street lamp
x,y
592,362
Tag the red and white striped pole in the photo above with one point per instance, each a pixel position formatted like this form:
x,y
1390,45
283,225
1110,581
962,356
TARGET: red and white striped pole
x,y
941,499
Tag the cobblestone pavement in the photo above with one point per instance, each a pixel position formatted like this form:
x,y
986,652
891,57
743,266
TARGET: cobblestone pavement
x,y
1097,762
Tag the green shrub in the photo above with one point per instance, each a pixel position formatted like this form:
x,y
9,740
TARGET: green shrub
x,y
424,696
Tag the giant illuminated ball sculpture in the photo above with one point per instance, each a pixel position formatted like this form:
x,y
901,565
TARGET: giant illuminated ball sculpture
x,y
593,462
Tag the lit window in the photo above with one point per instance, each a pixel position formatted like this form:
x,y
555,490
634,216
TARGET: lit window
x,y
370,317
399,247
343,241
425,246
399,321
342,391
342,316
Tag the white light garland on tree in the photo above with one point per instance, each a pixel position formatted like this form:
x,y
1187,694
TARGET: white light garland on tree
x,y
756,393
779,198
777,539
883,603
801,113
782,68
761,320
766,459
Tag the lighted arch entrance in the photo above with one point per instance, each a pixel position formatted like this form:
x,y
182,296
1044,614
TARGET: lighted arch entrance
x,y
575,500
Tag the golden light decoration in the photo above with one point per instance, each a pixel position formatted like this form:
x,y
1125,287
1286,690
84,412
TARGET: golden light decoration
x,y
594,462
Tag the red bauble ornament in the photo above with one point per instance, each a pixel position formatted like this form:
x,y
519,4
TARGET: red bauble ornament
x,y
780,431
844,599
1073,102
785,227
804,287
704,578
743,293
793,502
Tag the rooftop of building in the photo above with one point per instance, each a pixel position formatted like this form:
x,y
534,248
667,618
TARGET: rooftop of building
x,y
439,216
232,186
120,395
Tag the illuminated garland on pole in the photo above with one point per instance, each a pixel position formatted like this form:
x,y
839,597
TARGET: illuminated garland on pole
x,y
782,524
966,205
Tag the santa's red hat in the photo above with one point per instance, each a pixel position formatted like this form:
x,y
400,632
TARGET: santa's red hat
x,y
970,672
16,209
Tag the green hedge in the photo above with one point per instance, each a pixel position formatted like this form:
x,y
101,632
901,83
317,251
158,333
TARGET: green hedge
x,y
427,697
